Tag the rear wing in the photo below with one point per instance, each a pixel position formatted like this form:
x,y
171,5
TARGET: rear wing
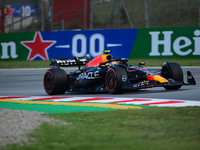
x,y
65,62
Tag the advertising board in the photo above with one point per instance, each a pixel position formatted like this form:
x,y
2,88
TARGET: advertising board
x,y
174,42
177,42
66,44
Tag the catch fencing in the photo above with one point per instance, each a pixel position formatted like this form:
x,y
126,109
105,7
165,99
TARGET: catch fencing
x,y
145,13
51,15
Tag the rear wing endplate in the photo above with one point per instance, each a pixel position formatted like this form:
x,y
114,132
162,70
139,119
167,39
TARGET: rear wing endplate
x,y
65,62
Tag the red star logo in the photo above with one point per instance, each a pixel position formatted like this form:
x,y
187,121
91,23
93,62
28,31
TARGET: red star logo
x,y
10,11
38,47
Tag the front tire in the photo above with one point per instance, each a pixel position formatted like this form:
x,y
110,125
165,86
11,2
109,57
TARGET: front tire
x,y
173,71
55,81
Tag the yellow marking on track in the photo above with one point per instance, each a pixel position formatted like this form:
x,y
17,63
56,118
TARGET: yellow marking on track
x,y
113,106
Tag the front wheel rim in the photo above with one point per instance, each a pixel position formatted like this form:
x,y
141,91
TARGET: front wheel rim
x,y
111,81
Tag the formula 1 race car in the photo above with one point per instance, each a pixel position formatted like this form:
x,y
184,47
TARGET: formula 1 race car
x,y
104,73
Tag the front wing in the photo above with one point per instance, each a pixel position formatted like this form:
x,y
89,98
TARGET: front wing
x,y
153,83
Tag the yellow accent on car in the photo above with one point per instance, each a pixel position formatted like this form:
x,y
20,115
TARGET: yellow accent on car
x,y
160,79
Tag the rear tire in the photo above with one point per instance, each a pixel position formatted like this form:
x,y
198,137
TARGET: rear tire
x,y
55,81
114,80
175,72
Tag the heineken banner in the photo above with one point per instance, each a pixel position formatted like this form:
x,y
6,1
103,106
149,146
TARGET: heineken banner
x,y
167,42
124,43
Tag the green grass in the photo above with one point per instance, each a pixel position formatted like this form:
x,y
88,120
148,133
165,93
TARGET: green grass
x,y
159,61
25,64
150,128
148,61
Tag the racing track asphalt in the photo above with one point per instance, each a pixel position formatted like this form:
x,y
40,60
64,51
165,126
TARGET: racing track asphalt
x,y
29,82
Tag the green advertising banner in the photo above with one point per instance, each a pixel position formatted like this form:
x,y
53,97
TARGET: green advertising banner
x,y
11,47
173,42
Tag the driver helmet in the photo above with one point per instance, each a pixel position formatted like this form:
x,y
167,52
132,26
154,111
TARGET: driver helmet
x,y
112,63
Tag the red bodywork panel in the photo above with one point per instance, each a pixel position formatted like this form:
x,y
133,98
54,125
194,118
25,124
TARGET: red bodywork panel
x,y
99,59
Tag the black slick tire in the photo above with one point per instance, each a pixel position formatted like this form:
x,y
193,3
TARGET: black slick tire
x,y
176,73
55,81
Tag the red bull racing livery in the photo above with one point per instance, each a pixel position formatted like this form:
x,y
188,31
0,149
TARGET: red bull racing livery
x,y
107,74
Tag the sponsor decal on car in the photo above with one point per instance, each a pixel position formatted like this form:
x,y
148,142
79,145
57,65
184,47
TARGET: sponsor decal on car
x,y
124,78
88,75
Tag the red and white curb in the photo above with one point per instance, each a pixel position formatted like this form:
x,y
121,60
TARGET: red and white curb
x,y
135,101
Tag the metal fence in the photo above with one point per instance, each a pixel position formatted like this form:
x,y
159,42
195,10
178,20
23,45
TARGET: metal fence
x,y
97,14
145,13
20,17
